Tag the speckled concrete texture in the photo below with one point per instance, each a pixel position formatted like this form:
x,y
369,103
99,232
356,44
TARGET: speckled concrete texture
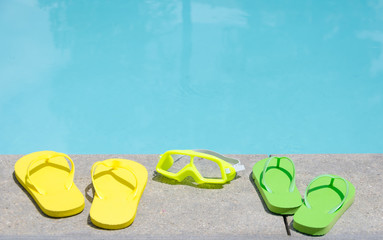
x,y
169,209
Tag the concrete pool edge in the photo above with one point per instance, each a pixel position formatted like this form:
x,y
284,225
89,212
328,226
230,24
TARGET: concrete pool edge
x,y
172,210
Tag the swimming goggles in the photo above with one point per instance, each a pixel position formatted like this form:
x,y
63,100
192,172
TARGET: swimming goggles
x,y
204,166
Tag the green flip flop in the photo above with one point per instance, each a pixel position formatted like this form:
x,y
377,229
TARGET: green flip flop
x,y
275,180
327,197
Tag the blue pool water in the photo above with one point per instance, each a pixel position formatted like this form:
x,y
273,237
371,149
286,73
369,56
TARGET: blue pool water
x,y
231,76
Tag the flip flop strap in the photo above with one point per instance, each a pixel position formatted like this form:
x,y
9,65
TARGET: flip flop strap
x,y
234,162
47,157
332,177
113,165
263,180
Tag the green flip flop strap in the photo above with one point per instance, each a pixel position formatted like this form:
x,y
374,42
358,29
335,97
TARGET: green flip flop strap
x,y
332,177
263,181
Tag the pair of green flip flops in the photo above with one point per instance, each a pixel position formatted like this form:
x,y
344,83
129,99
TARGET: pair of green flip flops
x,y
326,197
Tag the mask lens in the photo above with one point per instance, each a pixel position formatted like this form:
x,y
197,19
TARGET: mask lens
x,y
179,162
207,168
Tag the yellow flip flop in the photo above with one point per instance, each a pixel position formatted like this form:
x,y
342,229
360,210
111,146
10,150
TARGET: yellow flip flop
x,y
48,178
118,185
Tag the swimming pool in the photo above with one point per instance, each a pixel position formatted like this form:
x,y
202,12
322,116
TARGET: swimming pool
x,y
231,76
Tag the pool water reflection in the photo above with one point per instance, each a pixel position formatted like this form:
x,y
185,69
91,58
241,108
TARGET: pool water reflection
x,y
148,76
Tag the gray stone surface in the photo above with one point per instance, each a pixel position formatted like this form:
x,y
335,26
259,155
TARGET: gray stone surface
x,y
184,211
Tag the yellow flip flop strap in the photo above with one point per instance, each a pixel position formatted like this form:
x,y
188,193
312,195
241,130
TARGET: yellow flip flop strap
x,y
47,157
114,165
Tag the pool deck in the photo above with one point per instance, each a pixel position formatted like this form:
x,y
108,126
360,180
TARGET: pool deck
x,y
171,210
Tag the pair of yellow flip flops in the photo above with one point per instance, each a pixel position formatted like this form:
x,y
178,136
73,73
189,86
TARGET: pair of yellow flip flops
x,y
118,184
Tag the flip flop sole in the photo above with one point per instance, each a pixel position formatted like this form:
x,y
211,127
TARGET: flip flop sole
x,y
57,201
280,201
117,209
316,220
